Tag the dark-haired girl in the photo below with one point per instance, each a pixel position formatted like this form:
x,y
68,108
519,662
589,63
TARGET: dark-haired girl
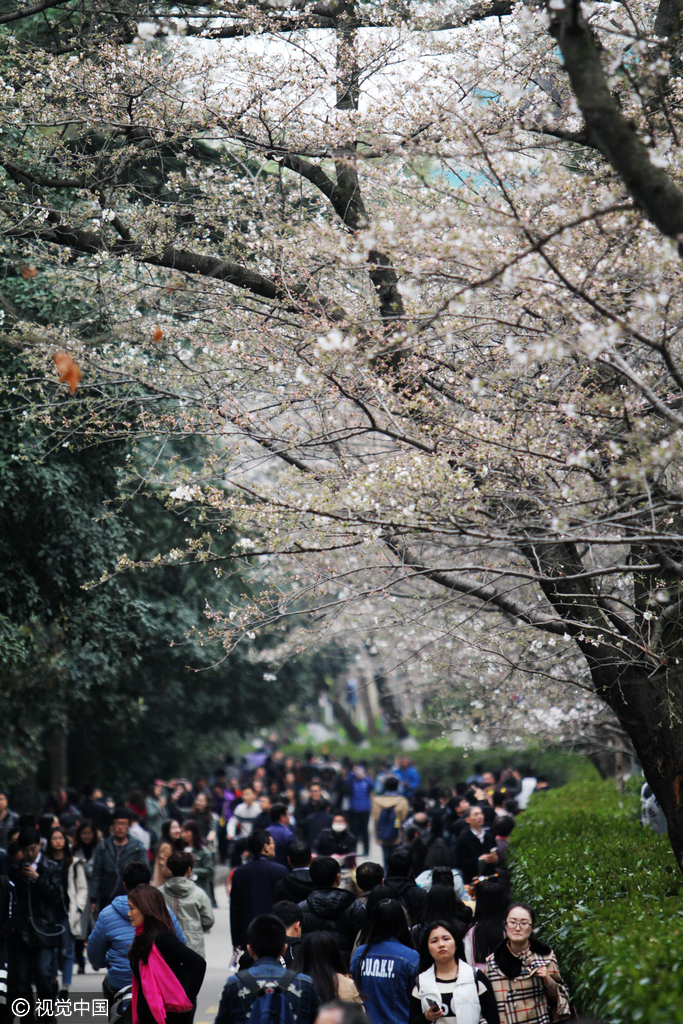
x,y
170,842
489,923
448,989
167,975
80,920
441,904
385,967
203,861
524,975
319,956
71,889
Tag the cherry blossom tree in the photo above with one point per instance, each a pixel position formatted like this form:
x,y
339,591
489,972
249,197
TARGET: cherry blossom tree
x,y
415,271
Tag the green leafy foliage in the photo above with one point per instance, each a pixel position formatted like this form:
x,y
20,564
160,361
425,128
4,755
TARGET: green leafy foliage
x,y
123,667
439,764
609,899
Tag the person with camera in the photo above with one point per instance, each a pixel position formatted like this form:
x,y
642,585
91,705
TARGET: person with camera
x,y
38,890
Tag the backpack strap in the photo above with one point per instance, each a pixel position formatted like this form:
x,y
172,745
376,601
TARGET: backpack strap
x,y
248,979
283,983
286,980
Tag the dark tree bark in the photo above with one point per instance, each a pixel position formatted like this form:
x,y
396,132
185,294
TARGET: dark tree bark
x,y
608,130
392,715
59,769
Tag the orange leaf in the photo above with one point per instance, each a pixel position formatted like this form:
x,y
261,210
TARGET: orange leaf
x,y
27,271
158,334
69,371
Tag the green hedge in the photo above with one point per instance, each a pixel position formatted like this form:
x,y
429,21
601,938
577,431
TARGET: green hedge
x,y
609,898
446,764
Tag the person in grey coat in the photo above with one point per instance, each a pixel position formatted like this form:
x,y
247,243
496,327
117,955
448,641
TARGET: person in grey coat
x,y
189,903
111,857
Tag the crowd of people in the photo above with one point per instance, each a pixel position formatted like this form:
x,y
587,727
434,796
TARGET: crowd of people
x,y
430,932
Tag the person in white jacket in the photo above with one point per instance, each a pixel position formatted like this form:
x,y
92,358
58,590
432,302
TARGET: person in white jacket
x,y
79,897
447,987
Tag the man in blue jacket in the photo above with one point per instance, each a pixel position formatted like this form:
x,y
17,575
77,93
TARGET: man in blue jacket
x,y
359,786
266,943
408,776
113,934
281,833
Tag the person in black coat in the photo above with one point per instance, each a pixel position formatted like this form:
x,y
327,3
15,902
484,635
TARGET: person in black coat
x,y
149,916
253,886
38,890
336,841
401,885
331,909
476,852
314,816
296,885
7,923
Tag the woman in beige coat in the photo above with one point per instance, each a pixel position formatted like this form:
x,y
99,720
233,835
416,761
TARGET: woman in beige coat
x,y
320,958
170,842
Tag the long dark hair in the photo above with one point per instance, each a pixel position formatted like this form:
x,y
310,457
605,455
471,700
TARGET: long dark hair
x,y
388,921
426,958
439,905
157,920
443,876
78,841
319,956
67,858
46,823
177,844
489,919
376,896
190,825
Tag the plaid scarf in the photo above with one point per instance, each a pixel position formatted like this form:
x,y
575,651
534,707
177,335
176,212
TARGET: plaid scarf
x,y
520,994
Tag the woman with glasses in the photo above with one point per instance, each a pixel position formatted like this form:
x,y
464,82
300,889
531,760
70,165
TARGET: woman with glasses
x,y
524,975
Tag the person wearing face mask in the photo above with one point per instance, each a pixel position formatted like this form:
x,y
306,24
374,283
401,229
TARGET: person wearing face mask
x,y
336,841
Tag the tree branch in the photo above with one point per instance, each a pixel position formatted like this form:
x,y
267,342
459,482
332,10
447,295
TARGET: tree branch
x,y
347,202
22,176
609,131
91,242
477,12
484,592
26,12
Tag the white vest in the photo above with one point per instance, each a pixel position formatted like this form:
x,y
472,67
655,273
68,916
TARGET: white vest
x,y
465,1002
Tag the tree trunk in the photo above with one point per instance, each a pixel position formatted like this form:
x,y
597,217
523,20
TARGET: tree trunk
x,y
346,722
25,799
58,758
367,708
342,715
650,708
392,715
